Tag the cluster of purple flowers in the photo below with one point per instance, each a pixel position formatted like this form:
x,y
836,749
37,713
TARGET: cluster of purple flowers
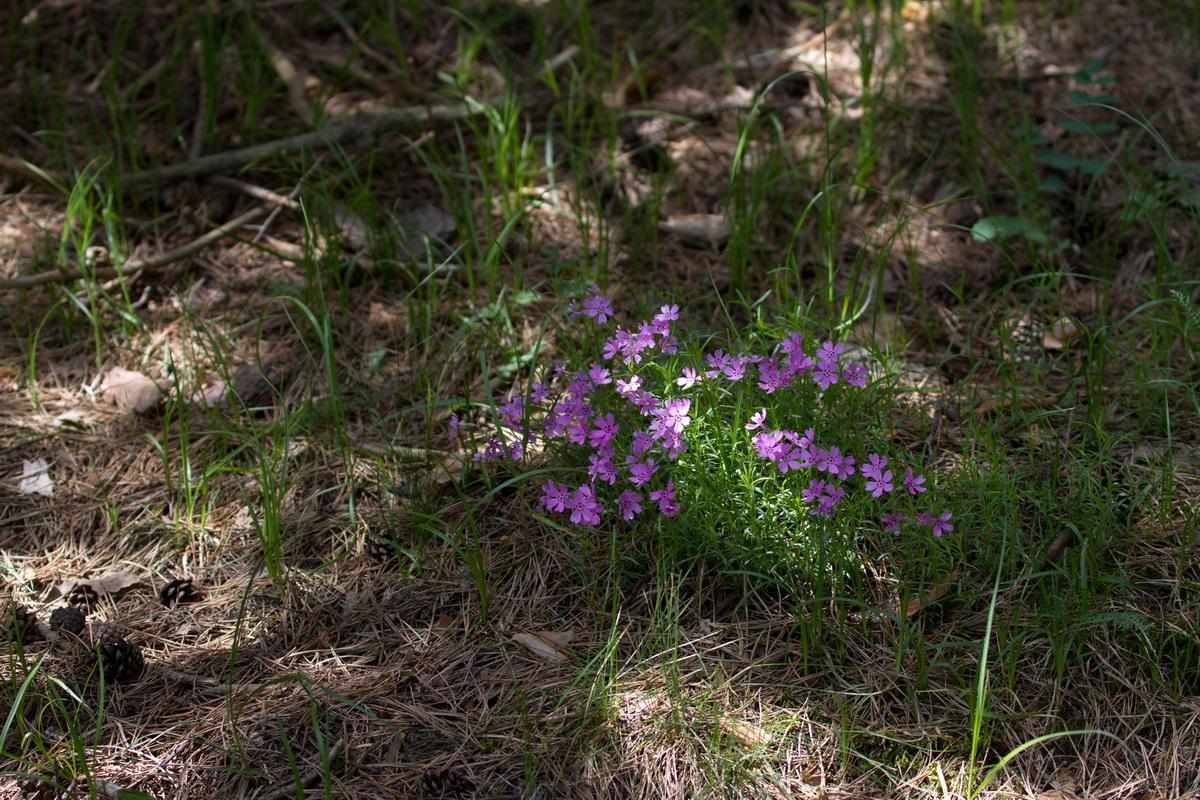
x,y
789,451
574,418
662,438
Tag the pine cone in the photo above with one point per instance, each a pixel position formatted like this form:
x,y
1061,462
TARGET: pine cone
x,y
19,623
83,596
122,661
446,783
35,789
179,591
68,619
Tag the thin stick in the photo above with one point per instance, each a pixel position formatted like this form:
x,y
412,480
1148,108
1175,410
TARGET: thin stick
x,y
145,265
364,126
257,192
30,172
359,42
290,74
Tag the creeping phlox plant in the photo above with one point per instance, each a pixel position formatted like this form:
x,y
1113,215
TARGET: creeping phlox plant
x,y
630,415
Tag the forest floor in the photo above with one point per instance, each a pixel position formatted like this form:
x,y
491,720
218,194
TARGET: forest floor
x,y
1006,205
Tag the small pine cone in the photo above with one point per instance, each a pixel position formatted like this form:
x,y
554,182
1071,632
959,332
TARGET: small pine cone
x,y
122,661
379,548
19,623
83,596
67,619
34,788
445,783
179,591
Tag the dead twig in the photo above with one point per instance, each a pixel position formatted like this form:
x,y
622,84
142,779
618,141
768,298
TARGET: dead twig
x,y
293,79
30,172
362,127
135,265
359,42
757,62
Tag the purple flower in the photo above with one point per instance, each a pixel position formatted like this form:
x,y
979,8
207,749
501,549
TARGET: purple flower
x,y
673,444
454,424
825,495
878,485
674,414
597,306
516,451
828,502
942,525
688,379
668,345
494,451
855,374
539,392
667,313
606,428
925,518
814,491
798,363
718,360
845,467
826,374
915,484
830,351
735,371
640,471
891,523
768,444
646,402
770,377
642,442
791,343
629,504
757,419
577,430
599,376
556,424
666,499
601,468
629,387
585,509
645,340
555,496
793,458
513,412
874,466
836,464
612,346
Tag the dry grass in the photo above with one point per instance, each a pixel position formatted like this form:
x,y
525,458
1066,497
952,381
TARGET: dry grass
x,y
395,673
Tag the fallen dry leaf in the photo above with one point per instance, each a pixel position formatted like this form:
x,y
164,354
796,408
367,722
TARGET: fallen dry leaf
x,y
915,604
702,229
211,395
75,417
35,478
747,734
547,644
129,390
108,583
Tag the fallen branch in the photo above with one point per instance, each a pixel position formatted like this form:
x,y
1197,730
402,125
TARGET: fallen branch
x,y
29,172
362,127
135,265
758,62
